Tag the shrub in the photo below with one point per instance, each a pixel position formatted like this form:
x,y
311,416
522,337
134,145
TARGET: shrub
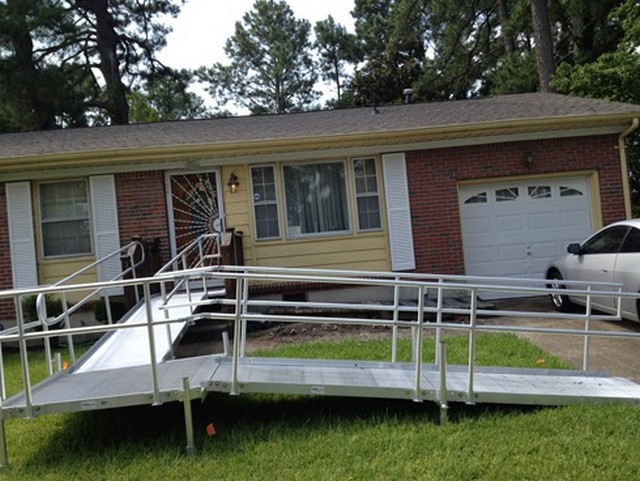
x,y
30,313
117,309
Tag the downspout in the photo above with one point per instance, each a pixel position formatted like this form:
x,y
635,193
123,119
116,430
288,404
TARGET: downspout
x,y
623,166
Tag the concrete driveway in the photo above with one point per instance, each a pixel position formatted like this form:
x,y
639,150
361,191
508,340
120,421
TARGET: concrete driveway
x,y
616,356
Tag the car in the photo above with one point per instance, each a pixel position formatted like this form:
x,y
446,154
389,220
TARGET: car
x,y
610,255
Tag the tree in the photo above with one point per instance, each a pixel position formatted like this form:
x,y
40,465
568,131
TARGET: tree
x,y
544,43
271,69
391,42
336,48
39,88
613,76
121,40
164,98
73,62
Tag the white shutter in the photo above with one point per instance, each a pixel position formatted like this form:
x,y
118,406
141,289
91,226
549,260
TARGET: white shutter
x,y
398,212
105,226
21,238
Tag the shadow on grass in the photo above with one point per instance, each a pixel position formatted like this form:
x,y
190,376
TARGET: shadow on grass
x,y
97,438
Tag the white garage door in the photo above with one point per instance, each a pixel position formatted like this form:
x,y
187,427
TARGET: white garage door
x,y
514,229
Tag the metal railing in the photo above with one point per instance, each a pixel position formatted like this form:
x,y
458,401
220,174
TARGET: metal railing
x,y
408,309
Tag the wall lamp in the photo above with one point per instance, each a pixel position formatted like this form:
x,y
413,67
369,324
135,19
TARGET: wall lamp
x,y
234,183
528,160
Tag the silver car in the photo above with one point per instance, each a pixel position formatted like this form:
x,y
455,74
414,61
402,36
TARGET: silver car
x,y
610,255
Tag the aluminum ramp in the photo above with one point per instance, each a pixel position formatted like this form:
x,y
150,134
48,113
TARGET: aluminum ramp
x,y
122,348
132,385
397,380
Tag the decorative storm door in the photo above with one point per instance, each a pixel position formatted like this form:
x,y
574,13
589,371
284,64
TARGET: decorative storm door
x,y
194,206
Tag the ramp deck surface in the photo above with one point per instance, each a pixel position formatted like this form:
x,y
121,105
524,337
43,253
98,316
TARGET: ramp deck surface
x,y
126,386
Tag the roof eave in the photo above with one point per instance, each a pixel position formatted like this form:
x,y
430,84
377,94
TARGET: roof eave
x,y
90,158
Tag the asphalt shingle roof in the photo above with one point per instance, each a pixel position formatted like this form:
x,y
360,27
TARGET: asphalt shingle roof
x,y
310,125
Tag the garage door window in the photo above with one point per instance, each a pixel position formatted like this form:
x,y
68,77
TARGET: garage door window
x,y
539,191
480,198
508,194
569,192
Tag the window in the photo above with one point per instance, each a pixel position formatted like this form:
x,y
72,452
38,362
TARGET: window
x,y
64,213
265,202
505,195
606,242
367,198
569,192
631,243
480,198
316,198
539,191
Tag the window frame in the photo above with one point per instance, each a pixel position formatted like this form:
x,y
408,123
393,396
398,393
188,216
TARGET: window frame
x,y
42,221
276,183
358,195
289,234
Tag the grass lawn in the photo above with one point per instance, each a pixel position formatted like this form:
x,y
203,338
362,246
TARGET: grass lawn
x,y
308,438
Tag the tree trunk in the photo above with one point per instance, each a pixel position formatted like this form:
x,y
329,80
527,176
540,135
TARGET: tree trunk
x,y
507,38
544,45
107,41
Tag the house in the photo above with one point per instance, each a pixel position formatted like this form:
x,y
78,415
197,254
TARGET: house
x,y
491,186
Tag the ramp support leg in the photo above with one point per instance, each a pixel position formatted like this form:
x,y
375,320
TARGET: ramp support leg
x,y
188,418
4,457
442,392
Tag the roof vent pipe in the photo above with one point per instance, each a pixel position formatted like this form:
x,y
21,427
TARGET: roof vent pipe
x,y
407,95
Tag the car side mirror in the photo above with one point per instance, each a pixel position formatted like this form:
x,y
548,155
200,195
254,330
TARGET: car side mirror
x,y
574,249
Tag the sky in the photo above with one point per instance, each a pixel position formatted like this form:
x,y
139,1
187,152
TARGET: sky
x,y
203,26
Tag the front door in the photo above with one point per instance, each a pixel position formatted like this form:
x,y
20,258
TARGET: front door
x,y
194,204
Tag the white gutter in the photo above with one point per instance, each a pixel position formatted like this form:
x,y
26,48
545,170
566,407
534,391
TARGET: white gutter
x,y
623,166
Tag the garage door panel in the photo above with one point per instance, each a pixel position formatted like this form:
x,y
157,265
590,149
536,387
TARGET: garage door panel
x,y
514,252
510,224
544,220
521,234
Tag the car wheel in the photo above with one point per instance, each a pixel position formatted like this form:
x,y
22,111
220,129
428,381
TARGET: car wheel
x,y
560,301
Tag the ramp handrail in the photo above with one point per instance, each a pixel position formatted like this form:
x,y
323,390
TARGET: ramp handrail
x,y
128,251
247,309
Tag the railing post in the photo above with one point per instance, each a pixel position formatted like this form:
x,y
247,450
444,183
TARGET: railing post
x,y
439,307
3,384
587,328
152,343
67,325
24,359
417,396
243,321
237,333
396,316
473,317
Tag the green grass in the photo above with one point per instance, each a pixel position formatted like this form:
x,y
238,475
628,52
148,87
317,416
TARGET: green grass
x,y
307,438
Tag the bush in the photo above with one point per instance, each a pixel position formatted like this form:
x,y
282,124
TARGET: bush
x,y
30,313
117,309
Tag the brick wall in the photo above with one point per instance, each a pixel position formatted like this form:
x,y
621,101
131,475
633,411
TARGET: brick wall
x,y
7,310
434,176
142,208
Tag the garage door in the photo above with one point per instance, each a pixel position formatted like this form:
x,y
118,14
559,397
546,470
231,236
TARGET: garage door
x,y
514,229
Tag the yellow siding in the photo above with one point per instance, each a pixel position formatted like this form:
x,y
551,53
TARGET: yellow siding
x,y
51,271
358,251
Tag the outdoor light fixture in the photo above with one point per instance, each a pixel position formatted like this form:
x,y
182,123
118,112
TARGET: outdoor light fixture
x,y
528,160
233,183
